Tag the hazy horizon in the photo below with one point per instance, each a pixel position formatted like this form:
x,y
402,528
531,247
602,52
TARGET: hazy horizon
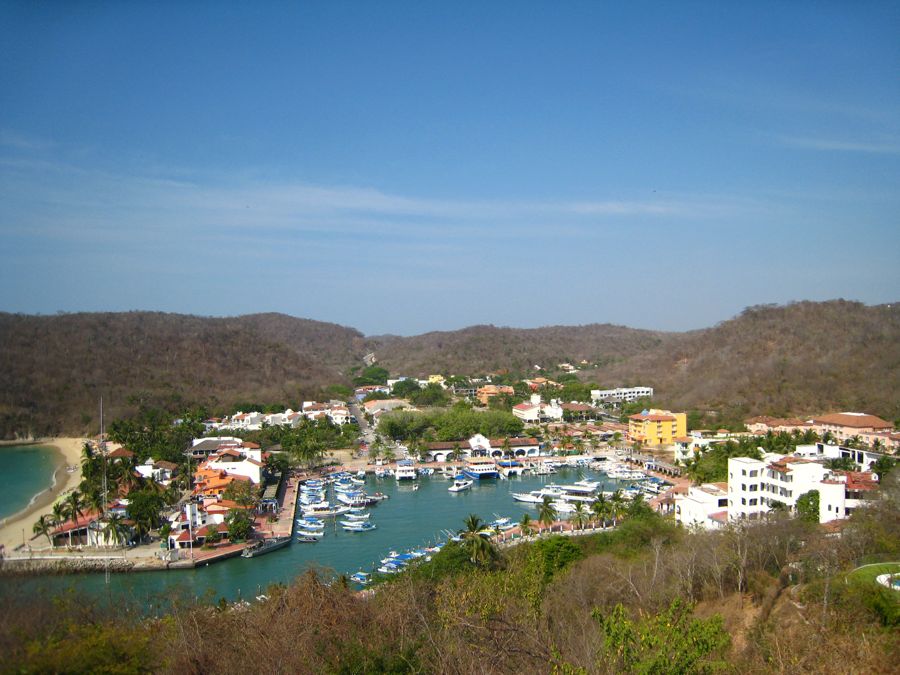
x,y
405,168
369,334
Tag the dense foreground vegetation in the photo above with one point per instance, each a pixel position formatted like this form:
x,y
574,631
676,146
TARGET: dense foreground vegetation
x,y
646,597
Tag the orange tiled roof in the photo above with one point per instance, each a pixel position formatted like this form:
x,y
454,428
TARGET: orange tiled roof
x,y
855,421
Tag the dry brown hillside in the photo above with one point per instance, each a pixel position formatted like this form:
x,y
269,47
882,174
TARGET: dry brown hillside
x,y
481,349
53,369
801,358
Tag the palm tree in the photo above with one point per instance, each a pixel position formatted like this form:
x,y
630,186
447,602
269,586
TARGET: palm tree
x,y
93,499
44,526
389,455
481,548
547,513
507,448
59,513
616,506
600,509
525,525
115,526
74,510
580,516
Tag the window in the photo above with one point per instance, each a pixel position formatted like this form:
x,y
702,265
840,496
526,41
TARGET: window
x,y
754,473
753,502
743,501
743,472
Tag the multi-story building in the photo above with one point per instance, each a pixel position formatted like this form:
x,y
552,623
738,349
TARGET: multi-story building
x,y
844,426
841,492
746,485
657,427
622,394
704,505
489,391
789,478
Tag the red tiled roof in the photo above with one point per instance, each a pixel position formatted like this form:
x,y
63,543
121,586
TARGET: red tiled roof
x,y
120,452
513,442
855,421
856,480
652,418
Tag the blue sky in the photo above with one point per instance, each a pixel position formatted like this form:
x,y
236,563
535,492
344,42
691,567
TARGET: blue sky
x,y
404,167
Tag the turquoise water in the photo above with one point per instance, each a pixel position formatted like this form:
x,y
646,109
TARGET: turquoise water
x,y
25,470
410,518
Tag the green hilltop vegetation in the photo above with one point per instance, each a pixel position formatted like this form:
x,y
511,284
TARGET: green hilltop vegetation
x,y
801,358
645,597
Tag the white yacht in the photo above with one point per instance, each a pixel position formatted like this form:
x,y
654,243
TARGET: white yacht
x,y
460,484
405,471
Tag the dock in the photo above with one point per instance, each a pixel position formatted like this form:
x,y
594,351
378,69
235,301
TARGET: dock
x,y
283,525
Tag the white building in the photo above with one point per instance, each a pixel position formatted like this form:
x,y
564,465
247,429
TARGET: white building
x,y
756,486
621,394
790,478
243,460
705,506
842,492
746,487
534,411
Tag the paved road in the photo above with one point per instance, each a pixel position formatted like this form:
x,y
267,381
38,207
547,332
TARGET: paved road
x,y
365,430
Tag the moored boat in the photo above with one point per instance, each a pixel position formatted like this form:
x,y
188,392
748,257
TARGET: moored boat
x,y
460,483
481,470
266,546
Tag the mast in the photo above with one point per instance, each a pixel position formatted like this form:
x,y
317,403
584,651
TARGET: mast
x,y
105,486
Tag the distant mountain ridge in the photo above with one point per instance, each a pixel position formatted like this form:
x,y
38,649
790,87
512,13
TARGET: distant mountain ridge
x,y
770,359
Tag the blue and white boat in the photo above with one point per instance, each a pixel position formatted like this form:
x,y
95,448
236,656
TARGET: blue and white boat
x,y
357,525
361,578
481,470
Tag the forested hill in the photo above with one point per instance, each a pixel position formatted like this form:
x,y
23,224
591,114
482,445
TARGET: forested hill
x,y
53,369
800,358
481,349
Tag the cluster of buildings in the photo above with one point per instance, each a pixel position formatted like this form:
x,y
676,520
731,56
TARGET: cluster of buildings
x,y
336,411
535,411
757,486
222,462
842,427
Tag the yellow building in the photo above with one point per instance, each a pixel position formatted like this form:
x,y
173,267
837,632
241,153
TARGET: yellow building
x,y
435,379
657,427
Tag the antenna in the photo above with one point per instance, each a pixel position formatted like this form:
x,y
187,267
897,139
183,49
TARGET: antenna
x,y
105,485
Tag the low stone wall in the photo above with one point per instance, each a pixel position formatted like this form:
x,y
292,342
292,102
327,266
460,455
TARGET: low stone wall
x,y
60,565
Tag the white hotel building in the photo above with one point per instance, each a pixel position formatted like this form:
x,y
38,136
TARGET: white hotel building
x,y
622,394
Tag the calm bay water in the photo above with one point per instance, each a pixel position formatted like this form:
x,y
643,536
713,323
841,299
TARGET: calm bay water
x,y
25,470
409,519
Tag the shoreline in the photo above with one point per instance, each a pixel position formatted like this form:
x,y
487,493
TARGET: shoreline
x,y
68,452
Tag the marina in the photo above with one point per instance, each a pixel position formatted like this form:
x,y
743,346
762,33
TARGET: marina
x,y
405,519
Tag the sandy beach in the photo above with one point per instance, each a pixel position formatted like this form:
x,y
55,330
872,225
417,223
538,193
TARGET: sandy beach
x,y
69,450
